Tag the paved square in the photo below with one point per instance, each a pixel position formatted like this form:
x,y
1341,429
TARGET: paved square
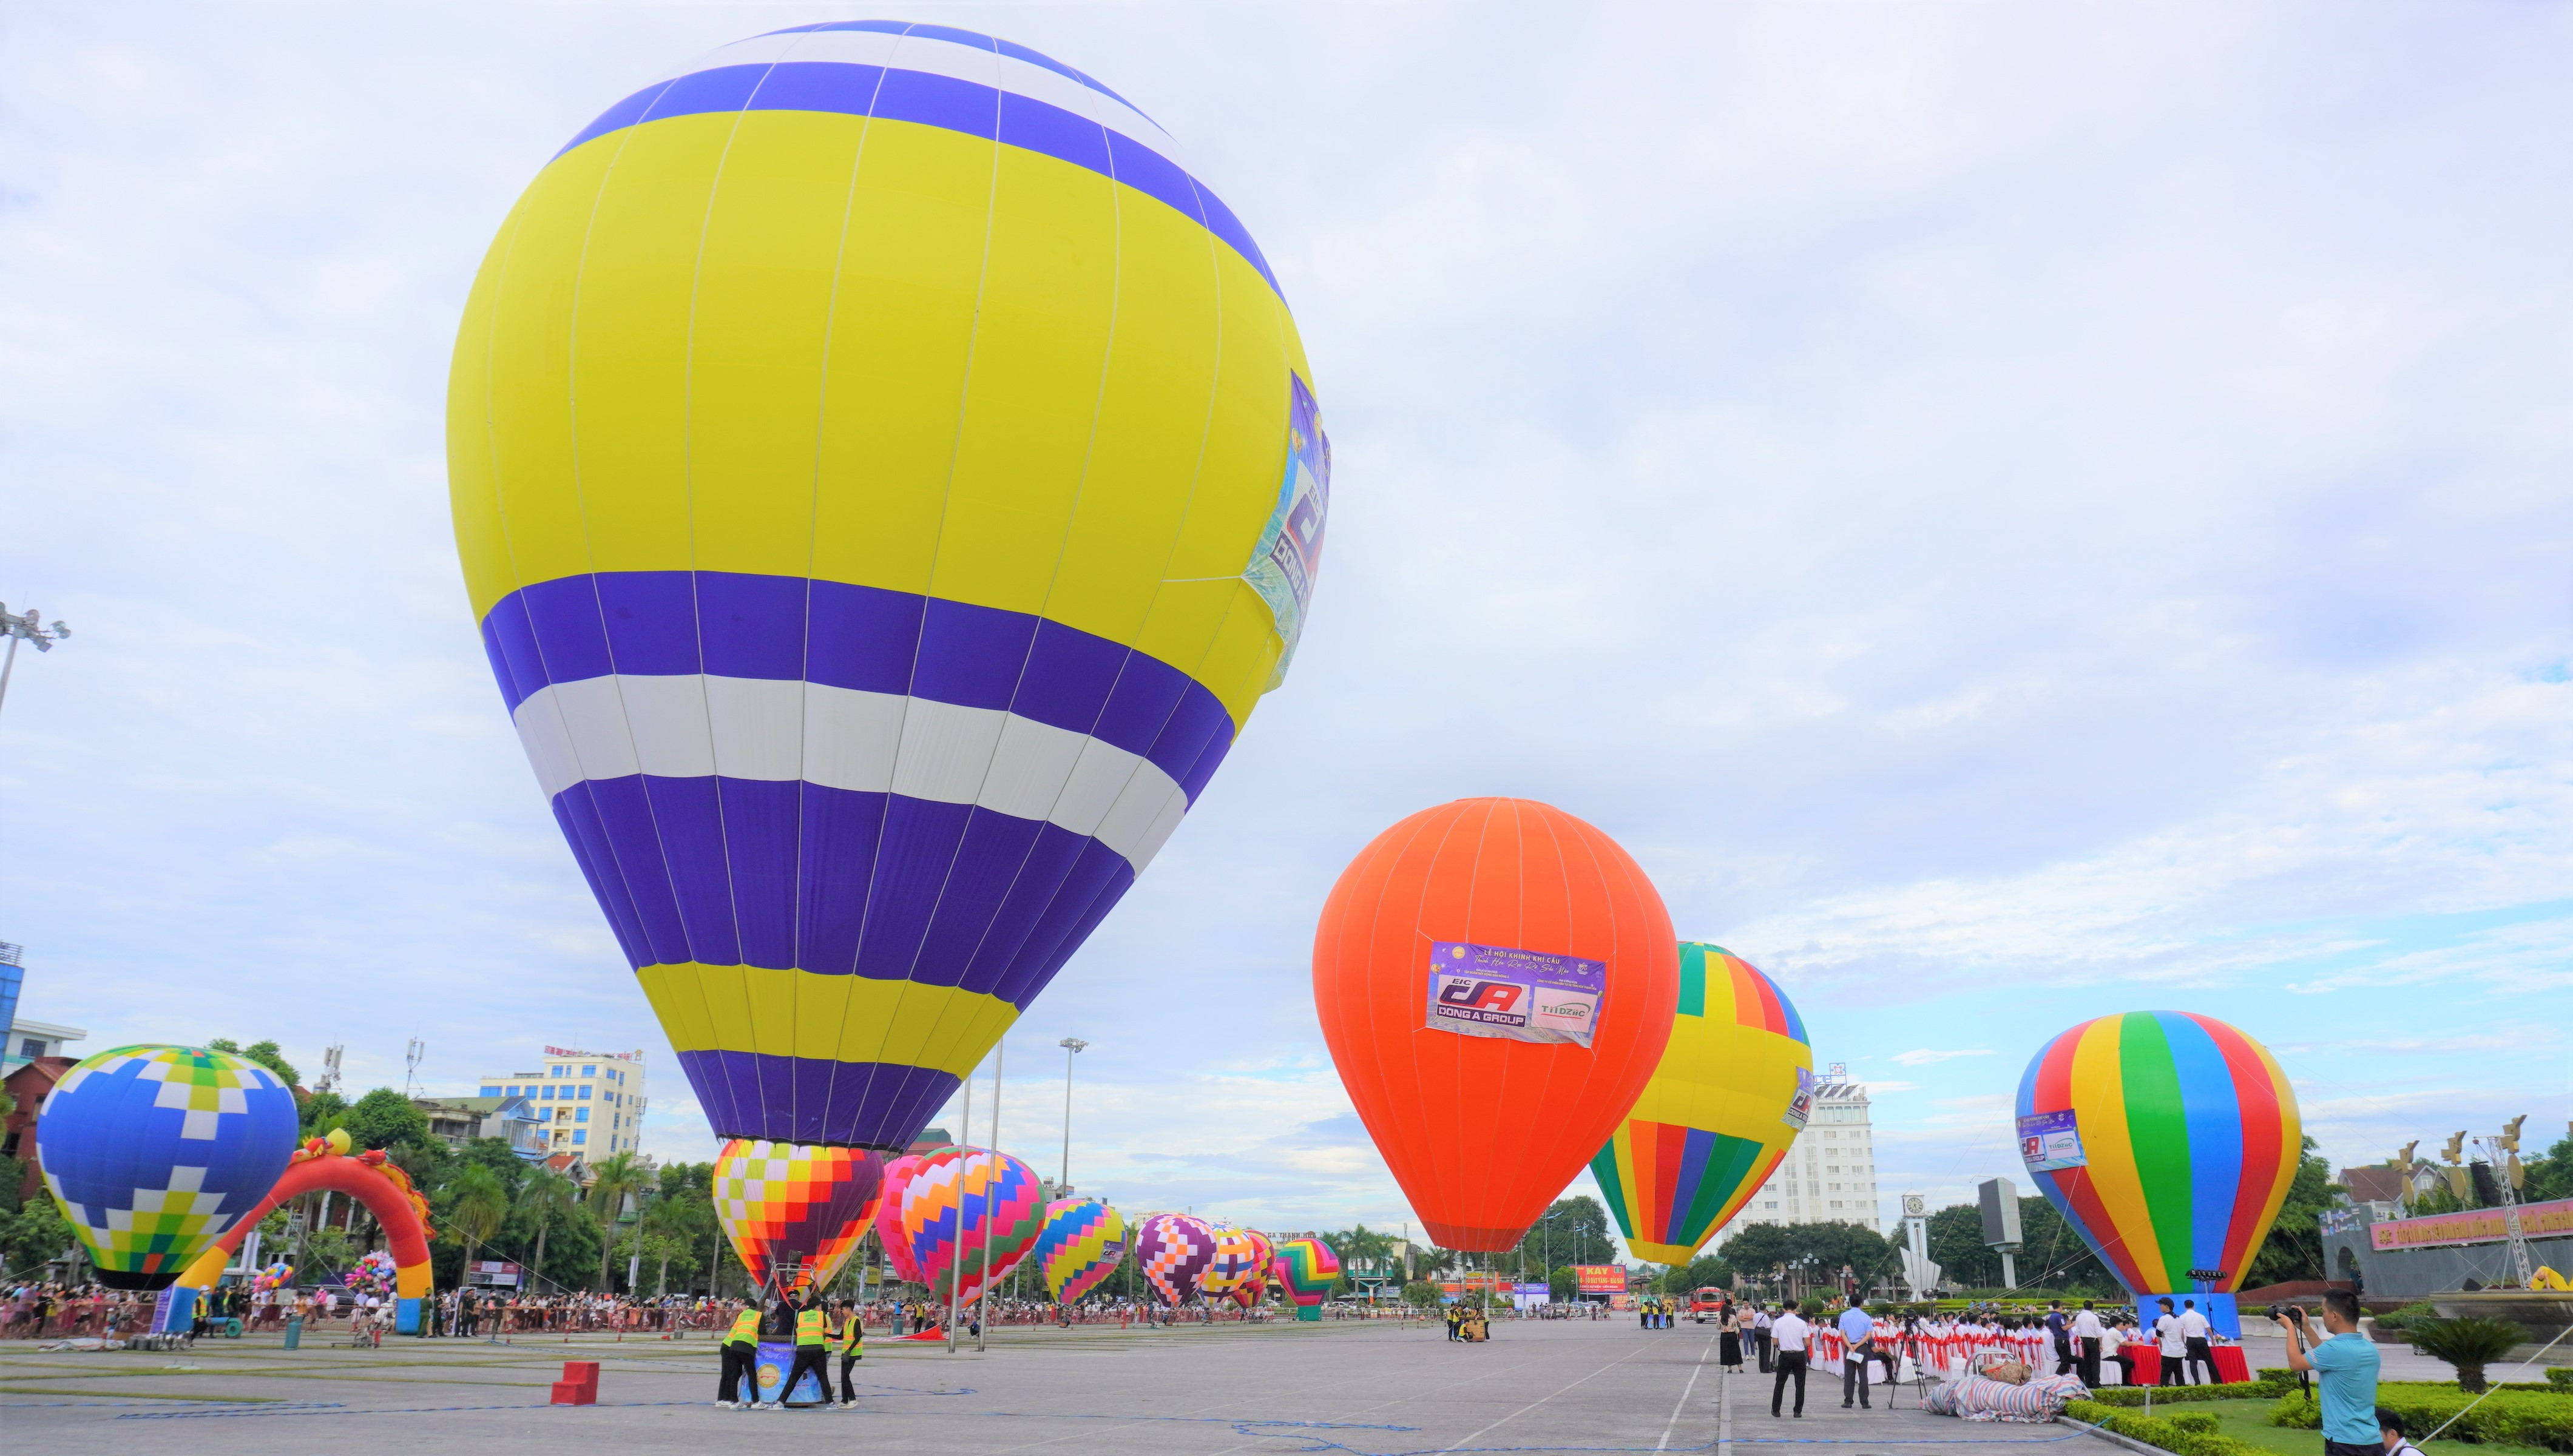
x,y
1373,1389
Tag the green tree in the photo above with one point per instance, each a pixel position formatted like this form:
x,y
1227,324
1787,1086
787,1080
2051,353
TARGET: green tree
x,y
611,1181
385,1119
2549,1177
2294,1247
1706,1271
321,1112
673,1226
476,1203
495,1154
1421,1292
13,1175
37,1233
547,1199
265,1054
1572,1230
1957,1246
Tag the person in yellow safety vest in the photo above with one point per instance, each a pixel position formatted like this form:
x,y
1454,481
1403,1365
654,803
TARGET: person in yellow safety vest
x,y
739,1348
849,1337
812,1348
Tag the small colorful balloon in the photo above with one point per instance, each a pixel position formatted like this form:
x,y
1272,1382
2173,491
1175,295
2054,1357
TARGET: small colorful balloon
x,y
1080,1243
1172,1250
963,1217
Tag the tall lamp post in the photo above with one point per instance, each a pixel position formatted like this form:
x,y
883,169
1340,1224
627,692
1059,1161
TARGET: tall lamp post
x,y
1071,1046
27,627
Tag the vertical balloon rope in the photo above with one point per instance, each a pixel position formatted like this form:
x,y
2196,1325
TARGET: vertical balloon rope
x,y
983,1293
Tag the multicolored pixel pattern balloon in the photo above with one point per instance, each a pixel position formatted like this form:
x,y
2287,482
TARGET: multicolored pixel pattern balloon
x,y
1235,1258
1172,1250
783,1203
2191,1138
153,1153
940,1215
1710,1126
886,481
1308,1269
1079,1246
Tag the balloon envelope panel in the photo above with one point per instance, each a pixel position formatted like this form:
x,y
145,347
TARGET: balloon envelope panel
x,y
1080,1244
886,481
1707,1132
1308,1269
949,1205
2192,1137
1172,1252
153,1153
1483,1133
809,1205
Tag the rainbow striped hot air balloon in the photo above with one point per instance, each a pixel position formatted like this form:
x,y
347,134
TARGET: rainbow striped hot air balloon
x,y
1172,1252
962,1208
1080,1244
886,479
1308,1269
154,1152
2168,1140
805,1208
1720,1112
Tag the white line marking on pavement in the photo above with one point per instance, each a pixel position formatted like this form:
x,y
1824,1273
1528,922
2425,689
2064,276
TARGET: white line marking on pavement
x,y
1542,1400
1664,1443
1724,1416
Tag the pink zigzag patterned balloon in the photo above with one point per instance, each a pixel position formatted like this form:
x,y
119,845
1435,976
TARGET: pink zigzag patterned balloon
x,y
937,1217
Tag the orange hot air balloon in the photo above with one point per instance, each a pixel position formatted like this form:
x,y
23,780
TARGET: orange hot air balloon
x,y
1496,982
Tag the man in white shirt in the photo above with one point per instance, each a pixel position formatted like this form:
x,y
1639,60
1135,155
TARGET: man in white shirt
x,y
1763,1338
1793,1338
2170,1344
2088,1332
2193,1330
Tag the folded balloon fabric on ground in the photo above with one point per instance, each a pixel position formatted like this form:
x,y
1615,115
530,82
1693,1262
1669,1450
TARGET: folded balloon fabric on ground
x,y
886,482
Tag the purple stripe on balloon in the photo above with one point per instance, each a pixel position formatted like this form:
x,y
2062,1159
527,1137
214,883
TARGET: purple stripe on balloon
x,y
850,89
967,38
735,624
796,876
879,1104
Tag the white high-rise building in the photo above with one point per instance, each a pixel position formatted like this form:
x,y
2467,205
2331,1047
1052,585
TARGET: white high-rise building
x,y
1829,1176
591,1102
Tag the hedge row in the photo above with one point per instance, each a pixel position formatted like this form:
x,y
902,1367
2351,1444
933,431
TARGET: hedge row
x,y
2183,1433
2507,1417
2136,1395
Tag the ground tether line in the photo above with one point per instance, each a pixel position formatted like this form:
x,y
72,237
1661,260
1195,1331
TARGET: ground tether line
x,y
1674,1424
1542,1400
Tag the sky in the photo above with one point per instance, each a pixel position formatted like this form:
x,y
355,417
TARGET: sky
x,y
2011,512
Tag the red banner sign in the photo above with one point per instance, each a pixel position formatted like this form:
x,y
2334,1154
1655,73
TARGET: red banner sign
x,y
2475,1225
1599,1278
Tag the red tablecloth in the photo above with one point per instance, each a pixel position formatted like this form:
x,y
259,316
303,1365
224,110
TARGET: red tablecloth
x,y
2230,1366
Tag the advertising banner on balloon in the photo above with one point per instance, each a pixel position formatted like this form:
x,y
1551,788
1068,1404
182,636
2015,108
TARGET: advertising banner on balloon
x,y
1599,1278
1523,995
2049,1140
1800,1108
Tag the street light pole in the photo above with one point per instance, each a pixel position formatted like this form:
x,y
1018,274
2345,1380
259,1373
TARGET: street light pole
x,y
28,626
1071,1046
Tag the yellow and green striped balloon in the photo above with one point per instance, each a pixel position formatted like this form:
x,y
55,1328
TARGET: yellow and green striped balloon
x,y
1711,1126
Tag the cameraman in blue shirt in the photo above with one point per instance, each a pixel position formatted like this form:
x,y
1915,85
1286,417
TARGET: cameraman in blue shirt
x,y
2346,1362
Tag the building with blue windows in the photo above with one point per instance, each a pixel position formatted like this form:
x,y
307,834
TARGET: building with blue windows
x,y
588,1102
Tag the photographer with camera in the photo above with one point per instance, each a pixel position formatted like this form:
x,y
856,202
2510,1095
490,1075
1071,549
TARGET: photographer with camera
x,y
2347,1363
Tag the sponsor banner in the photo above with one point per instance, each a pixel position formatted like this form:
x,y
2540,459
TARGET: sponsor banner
x,y
1800,1108
2050,1141
2475,1225
1522,996
1599,1278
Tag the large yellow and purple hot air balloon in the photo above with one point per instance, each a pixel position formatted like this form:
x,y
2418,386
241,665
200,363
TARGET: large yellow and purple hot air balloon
x,y
1720,1112
886,479
2168,1140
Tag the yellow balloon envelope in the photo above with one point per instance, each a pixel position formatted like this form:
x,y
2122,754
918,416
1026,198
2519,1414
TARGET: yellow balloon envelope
x,y
1728,1099
886,479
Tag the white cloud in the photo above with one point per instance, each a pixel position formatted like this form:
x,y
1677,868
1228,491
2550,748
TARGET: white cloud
x,y
1924,1056
2010,515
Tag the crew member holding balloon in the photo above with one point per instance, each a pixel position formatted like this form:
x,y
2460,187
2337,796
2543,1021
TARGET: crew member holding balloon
x,y
812,1349
739,1349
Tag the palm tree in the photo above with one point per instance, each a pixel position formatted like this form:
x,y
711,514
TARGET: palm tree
x,y
547,1196
610,1181
2468,1343
477,1203
670,1223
